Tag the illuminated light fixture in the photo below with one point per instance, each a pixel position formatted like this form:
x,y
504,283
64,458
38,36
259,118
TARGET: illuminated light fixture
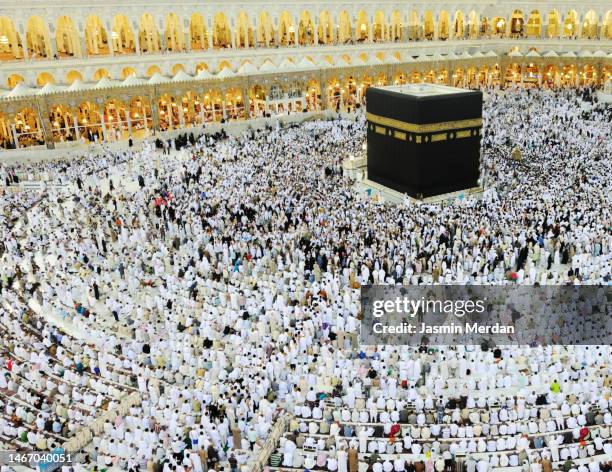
x,y
56,124
4,40
114,35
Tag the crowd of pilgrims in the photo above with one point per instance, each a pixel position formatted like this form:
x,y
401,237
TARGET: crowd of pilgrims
x,y
221,283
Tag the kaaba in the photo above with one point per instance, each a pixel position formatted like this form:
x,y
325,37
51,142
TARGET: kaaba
x,y
424,139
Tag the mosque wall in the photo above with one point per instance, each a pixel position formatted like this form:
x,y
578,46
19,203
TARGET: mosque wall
x,y
69,73
117,112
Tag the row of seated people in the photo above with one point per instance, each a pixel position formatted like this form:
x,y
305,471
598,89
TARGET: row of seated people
x,y
47,391
299,450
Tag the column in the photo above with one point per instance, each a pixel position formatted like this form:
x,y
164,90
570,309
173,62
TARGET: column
x,y
323,87
202,116
247,105
109,39
76,125
104,130
84,52
436,26
136,38
52,46
154,101
296,35
169,115
24,48
181,116
187,41
233,33
14,133
315,34
129,122
209,34
144,117
223,109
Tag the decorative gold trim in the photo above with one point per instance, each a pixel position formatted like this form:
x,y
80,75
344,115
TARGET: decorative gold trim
x,y
438,137
381,130
466,133
429,128
417,139
400,135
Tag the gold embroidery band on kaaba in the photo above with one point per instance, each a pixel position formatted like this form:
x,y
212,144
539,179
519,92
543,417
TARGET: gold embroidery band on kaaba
x,y
428,128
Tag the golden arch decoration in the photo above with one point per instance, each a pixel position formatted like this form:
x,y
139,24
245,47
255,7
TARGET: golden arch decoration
x,y
7,140
222,35
176,68
570,24
344,29
11,46
28,128
498,26
89,123
443,25
485,27
13,80
37,38
244,31
191,109
198,34
148,35
173,34
115,119
415,77
141,117
234,104
265,31
168,112
459,25
534,24
414,26
429,77
396,26
517,23
128,72
325,28
306,29
553,25
590,25
100,74
362,26
606,29
286,29
67,38
379,27
73,75
152,70
96,39
200,67
473,23
428,25
62,124
122,36
44,78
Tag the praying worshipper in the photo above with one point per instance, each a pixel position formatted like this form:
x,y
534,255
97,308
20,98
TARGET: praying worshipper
x,y
187,317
